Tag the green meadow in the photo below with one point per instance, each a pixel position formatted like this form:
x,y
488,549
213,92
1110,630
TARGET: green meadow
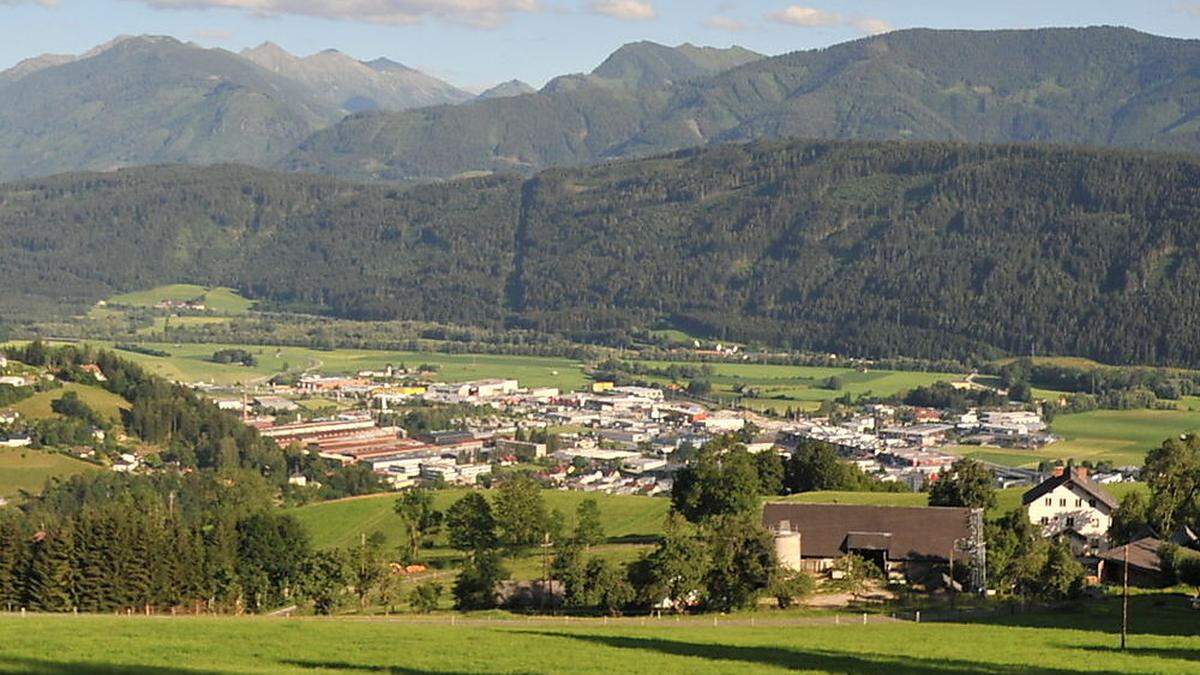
x,y
25,469
1067,640
106,403
1122,436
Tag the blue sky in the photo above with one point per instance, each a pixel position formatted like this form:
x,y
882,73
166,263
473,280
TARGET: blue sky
x,y
476,43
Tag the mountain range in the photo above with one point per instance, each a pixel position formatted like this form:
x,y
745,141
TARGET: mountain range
x,y
147,99
1089,86
157,100
871,248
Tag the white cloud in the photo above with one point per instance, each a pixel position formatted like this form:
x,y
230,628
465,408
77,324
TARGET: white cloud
x,y
477,13
810,17
625,10
725,23
871,25
807,17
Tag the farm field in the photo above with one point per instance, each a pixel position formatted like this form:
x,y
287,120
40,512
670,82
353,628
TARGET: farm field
x,y
220,300
1163,641
1122,436
28,470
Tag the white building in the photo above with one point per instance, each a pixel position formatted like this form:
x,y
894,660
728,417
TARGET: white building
x,y
1072,503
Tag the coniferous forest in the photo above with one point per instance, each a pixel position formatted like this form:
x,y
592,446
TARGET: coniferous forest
x,y
868,248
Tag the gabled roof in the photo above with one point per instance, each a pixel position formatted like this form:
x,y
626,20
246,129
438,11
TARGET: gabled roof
x,y
1143,554
1069,479
906,533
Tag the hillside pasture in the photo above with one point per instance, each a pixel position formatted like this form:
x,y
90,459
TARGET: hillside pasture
x,y
106,403
219,300
25,469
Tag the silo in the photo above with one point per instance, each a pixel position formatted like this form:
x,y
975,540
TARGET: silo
x,y
787,549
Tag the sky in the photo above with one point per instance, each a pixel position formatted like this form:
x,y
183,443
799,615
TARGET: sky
x,y
477,43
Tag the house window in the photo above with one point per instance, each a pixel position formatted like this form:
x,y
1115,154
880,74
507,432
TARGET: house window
x,y
1070,521
1049,501
1062,502
1045,520
1078,503
1092,503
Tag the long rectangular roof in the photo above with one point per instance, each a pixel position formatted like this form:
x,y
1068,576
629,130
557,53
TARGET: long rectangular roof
x,y
908,533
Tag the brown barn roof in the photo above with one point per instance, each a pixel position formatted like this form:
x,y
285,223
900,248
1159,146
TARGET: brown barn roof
x,y
1143,554
906,533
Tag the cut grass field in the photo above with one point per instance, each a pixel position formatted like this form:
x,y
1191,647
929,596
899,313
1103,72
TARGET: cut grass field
x,y
25,469
220,300
1006,500
1163,640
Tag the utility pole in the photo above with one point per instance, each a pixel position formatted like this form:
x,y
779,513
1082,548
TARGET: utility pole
x,y
1125,601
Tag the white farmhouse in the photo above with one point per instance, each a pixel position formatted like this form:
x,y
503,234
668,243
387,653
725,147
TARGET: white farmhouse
x,y
1070,503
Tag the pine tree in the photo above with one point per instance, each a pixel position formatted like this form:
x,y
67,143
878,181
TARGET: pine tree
x,y
49,586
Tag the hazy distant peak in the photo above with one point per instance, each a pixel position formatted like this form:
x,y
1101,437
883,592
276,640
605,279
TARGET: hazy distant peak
x,y
507,89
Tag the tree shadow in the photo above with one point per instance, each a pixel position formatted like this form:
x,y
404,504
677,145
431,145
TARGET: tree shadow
x,y
31,666
1171,653
366,668
810,659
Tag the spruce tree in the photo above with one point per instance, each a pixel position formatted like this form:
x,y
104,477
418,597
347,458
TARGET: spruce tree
x,y
49,586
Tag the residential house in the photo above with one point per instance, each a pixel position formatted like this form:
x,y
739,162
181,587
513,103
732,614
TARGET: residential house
x,y
1070,503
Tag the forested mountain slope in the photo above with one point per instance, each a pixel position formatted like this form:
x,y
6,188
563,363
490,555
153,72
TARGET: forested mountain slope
x,y
1087,86
871,248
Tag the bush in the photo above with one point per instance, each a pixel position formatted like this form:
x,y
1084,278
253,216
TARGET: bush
x,y
425,597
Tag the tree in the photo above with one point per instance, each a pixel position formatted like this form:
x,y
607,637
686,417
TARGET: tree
x,y
674,571
787,585
589,531
50,574
1188,571
1063,576
366,570
1130,520
968,483
607,587
470,523
857,573
521,515
425,597
1172,471
420,519
569,570
741,556
722,481
476,585
323,578
772,468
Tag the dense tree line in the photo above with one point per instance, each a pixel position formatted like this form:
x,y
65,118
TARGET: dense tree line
x,y
109,542
930,250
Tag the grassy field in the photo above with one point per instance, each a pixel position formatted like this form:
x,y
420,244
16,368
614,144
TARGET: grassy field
x,y
1163,641
106,403
28,470
191,363
1122,436
340,523
220,300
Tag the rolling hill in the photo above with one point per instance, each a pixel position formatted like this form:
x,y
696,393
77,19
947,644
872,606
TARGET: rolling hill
x,y
1085,86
